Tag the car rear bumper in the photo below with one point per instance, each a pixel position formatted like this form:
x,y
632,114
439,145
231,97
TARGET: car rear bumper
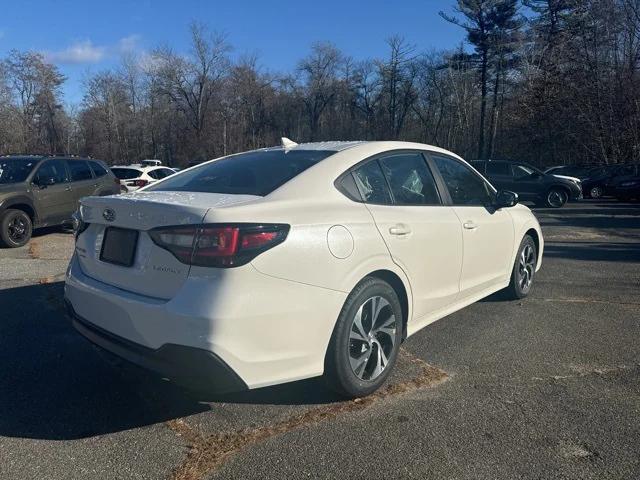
x,y
189,366
264,329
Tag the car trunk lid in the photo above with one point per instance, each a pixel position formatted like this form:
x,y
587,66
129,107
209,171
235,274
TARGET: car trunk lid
x,y
116,248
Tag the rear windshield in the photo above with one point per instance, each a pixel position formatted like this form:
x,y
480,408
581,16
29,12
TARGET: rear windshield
x,y
126,173
251,173
16,170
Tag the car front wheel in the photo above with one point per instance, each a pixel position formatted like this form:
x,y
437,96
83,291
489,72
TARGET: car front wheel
x,y
556,198
596,191
15,228
524,269
365,341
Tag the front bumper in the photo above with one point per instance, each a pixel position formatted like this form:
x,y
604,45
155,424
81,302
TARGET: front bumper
x,y
576,193
188,366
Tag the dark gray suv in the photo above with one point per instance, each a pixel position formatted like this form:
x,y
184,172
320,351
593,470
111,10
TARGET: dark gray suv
x,y
40,191
529,183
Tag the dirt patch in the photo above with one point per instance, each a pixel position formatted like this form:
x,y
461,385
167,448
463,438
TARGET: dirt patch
x,y
206,453
34,249
579,452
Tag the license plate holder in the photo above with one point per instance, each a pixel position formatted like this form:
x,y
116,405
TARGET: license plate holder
x,y
119,246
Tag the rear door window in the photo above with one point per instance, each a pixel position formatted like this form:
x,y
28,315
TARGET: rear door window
x,y
51,172
372,184
410,179
79,170
252,173
156,174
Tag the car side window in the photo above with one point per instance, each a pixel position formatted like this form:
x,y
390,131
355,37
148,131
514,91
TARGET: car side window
x,y
98,170
464,185
498,168
155,174
80,170
410,179
51,172
522,171
372,184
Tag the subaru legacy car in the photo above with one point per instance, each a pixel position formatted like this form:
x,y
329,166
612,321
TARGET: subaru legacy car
x,y
40,191
293,262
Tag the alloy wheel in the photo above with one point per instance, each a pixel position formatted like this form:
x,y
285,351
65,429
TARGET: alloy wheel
x,y
372,338
596,192
526,268
17,229
557,198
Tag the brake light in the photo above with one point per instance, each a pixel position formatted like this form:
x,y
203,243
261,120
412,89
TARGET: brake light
x,y
140,183
217,245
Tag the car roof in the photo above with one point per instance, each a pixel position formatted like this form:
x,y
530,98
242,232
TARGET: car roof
x,y
346,156
50,157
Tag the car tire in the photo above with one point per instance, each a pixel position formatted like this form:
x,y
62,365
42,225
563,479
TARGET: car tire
x,y
15,228
524,270
354,363
596,192
556,198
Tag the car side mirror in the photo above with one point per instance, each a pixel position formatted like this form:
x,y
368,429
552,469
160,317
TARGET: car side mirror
x,y
505,199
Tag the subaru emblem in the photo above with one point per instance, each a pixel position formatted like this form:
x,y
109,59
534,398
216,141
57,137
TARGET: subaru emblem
x,y
109,215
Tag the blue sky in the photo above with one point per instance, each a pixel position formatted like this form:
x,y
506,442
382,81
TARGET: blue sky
x,y
84,37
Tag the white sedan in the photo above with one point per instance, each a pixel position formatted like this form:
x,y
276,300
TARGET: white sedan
x,y
294,262
134,177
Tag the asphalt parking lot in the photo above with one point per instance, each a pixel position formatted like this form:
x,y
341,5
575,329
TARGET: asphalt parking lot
x,y
548,387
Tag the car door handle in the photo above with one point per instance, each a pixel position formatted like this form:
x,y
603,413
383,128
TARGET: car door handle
x,y
469,225
399,229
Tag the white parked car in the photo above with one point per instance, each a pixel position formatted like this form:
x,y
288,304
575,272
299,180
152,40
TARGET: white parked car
x,y
293,262
135,177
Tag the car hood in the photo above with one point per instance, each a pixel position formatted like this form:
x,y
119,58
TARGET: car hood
x,y
566,177
12,187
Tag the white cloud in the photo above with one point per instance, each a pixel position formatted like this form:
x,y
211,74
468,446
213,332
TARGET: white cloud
x,y
79,52
129,43
85,51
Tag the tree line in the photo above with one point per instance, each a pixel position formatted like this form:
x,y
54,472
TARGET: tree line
x,y
545,81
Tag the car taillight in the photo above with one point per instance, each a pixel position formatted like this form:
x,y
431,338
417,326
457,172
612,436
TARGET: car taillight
x,y
140,183
116,180
217,245
79,225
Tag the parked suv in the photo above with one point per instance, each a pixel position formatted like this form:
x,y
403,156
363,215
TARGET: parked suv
x,y
529,183
40,191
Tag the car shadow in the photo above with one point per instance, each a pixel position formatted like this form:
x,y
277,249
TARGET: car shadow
x,y
55,385
628,252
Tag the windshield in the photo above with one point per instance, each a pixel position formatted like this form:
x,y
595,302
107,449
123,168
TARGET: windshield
x,y
16,170
251,173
